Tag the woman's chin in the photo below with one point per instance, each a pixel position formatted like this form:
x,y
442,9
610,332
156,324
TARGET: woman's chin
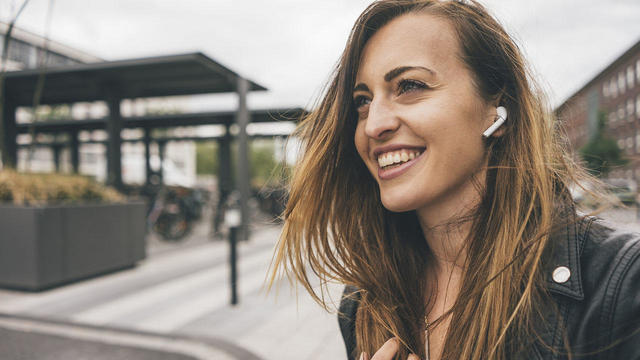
x,y
397,205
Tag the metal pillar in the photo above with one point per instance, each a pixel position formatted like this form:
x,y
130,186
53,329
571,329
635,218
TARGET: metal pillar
x,y
242,178
74,148
224,169
147,155
9,147
224,178
56,156
114,142
161,148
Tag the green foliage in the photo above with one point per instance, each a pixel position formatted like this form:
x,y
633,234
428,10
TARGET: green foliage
x,y
40,189
263,164
601,154
207,158
50,113
264,169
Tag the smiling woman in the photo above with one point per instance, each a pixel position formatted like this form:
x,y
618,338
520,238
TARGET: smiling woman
x,y
454,242
427,103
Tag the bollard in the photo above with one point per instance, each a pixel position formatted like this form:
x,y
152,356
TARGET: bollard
x,y
233,256
232,220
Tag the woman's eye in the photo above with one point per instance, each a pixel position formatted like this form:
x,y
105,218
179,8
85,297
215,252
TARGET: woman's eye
x,y
410,85
360,101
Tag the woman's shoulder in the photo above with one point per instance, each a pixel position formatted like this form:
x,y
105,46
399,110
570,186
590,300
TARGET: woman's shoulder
x,y
609,253
610,261
347,317
603,287
588,252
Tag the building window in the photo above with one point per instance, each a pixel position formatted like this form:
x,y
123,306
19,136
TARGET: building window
x,y
638,142
621,144
629,142
630,109
612,118
605,90
630,77
613,87
621,82
621,112
638,71
638,106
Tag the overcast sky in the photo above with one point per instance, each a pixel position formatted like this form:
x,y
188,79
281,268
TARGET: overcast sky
x,y
290,46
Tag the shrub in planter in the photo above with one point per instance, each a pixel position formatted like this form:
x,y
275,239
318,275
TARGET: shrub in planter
x,y
41,189
60,228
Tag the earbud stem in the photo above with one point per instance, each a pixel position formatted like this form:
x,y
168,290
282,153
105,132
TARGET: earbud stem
x,y
493,127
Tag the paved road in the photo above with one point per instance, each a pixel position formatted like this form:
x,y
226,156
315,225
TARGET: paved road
x,y
183,290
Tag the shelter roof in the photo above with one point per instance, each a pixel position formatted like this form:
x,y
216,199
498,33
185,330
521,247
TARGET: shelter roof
x,y
185,74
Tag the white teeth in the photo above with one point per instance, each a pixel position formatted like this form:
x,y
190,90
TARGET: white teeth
x,y
397,157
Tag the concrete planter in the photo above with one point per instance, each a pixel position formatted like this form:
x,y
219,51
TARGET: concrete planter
x,y
42,247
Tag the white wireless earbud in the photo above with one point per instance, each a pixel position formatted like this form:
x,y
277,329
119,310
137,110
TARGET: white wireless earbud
x,y
502,117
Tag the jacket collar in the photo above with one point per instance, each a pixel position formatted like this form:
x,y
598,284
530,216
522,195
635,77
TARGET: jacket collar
x,y
565,248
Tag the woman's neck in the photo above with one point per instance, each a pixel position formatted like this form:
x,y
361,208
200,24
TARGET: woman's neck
x,y
448,244
446,232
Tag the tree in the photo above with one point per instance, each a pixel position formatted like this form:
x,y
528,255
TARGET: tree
x,y
601,154
263,164
264,169
207,158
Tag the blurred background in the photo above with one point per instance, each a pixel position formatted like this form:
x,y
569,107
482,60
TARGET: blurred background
x,y
156,243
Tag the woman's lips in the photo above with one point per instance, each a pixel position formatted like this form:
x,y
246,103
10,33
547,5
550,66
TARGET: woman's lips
x,y
395,171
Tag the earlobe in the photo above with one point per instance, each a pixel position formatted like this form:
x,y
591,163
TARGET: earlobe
x,y
501,117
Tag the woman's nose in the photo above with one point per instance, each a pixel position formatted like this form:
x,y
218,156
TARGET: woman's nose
x,y
381,120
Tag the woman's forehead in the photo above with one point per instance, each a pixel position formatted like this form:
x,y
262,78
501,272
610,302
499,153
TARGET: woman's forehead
x,y
411,39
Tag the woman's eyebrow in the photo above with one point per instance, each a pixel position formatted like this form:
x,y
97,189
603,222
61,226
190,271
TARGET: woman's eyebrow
x,y
361,87
393,74
399,70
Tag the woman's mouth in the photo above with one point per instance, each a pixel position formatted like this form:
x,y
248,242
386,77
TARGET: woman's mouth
x,y
394,163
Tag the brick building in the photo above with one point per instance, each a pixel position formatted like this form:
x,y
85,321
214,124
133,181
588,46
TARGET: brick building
x,y
616,92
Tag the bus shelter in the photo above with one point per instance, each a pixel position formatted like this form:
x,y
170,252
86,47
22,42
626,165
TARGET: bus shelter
x,y
113,81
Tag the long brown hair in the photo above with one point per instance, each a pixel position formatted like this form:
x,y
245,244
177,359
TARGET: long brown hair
x,y
336,227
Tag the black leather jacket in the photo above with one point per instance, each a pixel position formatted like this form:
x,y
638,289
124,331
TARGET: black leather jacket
x,y
598,305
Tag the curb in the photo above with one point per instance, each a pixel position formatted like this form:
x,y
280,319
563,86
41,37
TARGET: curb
x,y
189,346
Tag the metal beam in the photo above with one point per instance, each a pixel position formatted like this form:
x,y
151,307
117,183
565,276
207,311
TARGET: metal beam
x,y
163,139
165,121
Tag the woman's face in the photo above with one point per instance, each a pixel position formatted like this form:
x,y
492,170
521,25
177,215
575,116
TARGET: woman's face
x,y
420,118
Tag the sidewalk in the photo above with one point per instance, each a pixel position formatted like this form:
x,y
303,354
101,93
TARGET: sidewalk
x,y
173,305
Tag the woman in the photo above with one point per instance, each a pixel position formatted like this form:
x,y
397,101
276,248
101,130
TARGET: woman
x,y
434,184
